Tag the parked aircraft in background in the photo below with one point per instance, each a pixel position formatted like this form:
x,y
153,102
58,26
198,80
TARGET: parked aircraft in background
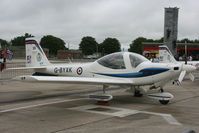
x,y
121,68
165,56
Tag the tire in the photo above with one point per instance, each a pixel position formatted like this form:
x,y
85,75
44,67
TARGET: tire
x,y
164,102
138,93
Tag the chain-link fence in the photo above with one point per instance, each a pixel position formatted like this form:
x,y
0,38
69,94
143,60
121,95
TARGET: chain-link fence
x,y
11,73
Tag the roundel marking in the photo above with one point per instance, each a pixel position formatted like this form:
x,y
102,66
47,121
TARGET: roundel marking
x,y
79,71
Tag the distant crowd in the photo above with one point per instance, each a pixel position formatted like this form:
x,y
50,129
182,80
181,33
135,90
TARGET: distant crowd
x,y
4,54
2,60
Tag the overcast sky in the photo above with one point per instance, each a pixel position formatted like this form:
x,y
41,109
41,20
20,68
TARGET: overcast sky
x,y
73,19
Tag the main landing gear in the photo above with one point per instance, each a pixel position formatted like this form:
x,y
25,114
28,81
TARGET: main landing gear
x,y
164,102
137,91
102,99
163,97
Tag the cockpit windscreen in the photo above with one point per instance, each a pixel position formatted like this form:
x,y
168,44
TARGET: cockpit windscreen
x,y
113,61
136,59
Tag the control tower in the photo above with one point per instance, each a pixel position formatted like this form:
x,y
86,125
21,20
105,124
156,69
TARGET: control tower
x,y
171,28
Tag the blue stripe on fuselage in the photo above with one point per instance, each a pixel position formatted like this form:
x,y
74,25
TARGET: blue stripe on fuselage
x,y
142,73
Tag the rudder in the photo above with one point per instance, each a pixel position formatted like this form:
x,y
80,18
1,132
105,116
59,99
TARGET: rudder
x,y
35,56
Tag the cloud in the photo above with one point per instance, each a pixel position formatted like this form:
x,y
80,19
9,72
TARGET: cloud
x,y
73,19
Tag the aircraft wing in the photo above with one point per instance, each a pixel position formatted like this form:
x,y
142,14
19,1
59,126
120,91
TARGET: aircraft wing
x,y
76,80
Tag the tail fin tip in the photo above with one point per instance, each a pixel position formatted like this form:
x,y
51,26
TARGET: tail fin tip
x,y
35,55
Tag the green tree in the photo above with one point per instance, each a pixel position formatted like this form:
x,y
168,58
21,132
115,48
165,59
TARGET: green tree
x,y
4,43
20,40
88,45
27,35
161,40
110,45
136,45
186,40
196,41
100,48
53,44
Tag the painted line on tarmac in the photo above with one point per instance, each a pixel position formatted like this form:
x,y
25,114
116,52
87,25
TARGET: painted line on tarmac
x,y
168,117
122,112
38,105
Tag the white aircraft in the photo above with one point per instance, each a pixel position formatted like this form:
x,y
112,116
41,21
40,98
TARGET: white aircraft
x,y
121,68
165,56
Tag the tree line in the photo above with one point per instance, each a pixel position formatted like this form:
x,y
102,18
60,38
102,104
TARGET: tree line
x,y
49,41
136,45
88,44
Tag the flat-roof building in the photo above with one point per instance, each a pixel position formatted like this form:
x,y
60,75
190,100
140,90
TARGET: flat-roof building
x,y
151,50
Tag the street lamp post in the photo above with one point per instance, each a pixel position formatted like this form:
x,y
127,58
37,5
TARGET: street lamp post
x,y
97,50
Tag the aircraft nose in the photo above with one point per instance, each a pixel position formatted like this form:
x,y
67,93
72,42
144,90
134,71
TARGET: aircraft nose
x,y
174,67
189,68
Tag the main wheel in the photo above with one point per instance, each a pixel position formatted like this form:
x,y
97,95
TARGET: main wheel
x,y
164,102
138,93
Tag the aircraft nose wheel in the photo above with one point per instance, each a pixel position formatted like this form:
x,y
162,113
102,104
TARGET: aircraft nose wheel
x,y
164,102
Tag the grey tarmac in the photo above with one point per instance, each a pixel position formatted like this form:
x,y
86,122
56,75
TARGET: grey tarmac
x,y
65,108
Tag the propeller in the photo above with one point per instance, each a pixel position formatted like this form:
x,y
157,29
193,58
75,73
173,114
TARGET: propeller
x,y
191,76
185,68
181,77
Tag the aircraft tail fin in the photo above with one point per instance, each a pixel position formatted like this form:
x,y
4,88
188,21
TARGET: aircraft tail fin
x,y
165,55
35,56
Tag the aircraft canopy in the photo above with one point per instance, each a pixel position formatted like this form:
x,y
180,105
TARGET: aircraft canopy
x,y
136,59
116,60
